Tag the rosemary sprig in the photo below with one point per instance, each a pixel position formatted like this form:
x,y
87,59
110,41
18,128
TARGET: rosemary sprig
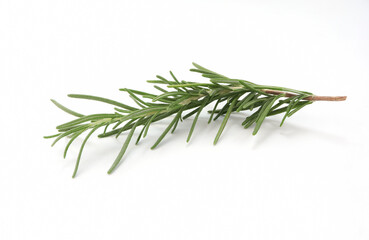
x,y
229,95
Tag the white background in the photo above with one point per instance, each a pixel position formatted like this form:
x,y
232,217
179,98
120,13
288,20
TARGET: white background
x,y
306,180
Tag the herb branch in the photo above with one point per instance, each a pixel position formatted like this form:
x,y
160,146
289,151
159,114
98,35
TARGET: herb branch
x,y
182,99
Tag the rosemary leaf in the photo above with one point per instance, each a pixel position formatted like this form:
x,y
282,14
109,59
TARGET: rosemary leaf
x,y
123,150
226,117
81,149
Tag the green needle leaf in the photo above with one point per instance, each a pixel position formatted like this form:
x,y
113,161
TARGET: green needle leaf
x,y
160,89
140,135
299,107
204,70
245,101
212,112
100,99
75,135
141,103
86,119
263,113
52,136
125,127
149,122
168,94
65,109
190,113
225,120
174,77
166,130
81,150
195,119
292,103
124,148
73,130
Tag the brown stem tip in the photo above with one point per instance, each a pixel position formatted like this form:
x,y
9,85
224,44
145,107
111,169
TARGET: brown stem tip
x,y
326,98
311,98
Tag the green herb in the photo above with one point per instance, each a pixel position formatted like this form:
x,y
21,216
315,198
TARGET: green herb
x,y
229,95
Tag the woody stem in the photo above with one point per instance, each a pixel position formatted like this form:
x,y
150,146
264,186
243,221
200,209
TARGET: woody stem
x,y
310,98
